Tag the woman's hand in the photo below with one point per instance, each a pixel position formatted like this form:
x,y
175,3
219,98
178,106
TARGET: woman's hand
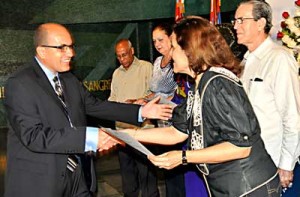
x,y
167,160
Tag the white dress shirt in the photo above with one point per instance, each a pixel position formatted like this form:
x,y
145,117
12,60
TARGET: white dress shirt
x,y
270,79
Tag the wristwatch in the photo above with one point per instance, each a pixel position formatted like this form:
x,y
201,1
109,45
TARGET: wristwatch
x,y
184,160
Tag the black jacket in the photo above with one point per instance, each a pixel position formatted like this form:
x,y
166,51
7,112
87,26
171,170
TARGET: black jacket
x,y
40,137
227,116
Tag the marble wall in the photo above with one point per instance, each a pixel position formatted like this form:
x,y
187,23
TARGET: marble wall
x,y
96,25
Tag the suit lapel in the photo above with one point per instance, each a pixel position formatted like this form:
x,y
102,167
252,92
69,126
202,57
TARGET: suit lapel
x,y
67,85
45,84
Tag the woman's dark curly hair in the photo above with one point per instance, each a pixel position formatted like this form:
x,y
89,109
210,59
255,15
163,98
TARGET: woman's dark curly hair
x,y
204,46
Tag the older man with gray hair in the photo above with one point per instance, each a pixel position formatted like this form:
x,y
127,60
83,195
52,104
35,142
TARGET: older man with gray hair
x,y
270,78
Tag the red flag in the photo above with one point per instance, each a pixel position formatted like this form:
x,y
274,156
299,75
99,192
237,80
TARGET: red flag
x,y
179,10
215,11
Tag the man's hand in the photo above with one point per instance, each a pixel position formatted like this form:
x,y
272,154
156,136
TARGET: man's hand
x,y
105,141
152,110
286,177
130,100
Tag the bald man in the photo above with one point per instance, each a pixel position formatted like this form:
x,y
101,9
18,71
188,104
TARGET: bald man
x,y
131,81
46,108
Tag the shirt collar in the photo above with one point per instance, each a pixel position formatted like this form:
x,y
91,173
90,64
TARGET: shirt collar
x,y
261,50
50,75
133,64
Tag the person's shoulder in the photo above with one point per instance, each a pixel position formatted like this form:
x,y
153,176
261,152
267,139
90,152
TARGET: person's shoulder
x,y
145,63
281,56
158,59
23,71
224,73
219,78
115,73
277,51
25,75
157,62
118,70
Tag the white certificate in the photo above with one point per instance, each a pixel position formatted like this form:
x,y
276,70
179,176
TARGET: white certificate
x,y
128,140
163,100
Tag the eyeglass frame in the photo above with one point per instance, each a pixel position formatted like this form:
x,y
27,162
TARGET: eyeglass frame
x,y
63,47
240,20
124,55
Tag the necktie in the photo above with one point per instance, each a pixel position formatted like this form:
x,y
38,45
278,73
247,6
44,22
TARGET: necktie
x,y
58,89
60,95
72,160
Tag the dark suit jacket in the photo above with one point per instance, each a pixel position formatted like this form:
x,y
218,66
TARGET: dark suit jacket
x,y
40,137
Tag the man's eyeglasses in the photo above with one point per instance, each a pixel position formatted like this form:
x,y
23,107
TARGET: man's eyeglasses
x,y
123,55
63,47
240,20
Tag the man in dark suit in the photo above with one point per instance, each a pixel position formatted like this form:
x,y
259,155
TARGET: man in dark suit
x,y
47,121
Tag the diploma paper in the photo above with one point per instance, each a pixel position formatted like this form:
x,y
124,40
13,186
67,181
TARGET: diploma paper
x,y
163,100
128,140
166,101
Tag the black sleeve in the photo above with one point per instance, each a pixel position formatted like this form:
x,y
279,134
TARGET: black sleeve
x,y
229,113
179,118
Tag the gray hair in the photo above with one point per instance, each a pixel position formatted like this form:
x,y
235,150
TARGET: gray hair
x,y
261,9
